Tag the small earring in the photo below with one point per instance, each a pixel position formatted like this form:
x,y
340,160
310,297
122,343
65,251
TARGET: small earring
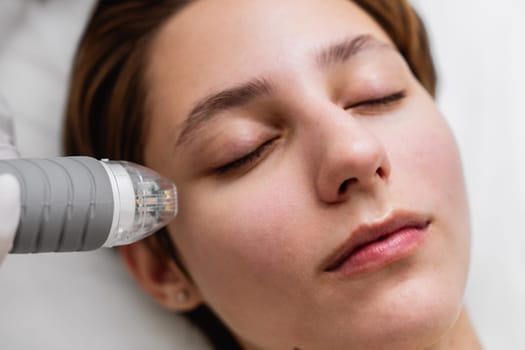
x,y
183,296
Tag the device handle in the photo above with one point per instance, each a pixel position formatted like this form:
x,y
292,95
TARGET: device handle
x,y
67,204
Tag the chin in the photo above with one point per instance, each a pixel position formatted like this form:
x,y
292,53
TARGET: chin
x,y
415,314
410,308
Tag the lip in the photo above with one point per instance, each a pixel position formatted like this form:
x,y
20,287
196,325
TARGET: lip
x,y
373,245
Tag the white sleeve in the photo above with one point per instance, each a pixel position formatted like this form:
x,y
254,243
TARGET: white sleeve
x,y
9,212
7,149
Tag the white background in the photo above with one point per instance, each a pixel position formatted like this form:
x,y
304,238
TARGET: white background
x,y
480,50
86,301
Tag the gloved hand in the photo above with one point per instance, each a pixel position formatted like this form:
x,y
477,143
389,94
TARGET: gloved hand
x,y
9,186
9,212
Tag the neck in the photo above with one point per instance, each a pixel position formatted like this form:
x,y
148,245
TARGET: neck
x,y
461,336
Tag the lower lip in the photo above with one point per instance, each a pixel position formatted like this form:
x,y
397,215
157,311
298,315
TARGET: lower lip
x,y
381,253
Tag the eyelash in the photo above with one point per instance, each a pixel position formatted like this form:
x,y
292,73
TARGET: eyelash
x,y
247,159
253,156
380,102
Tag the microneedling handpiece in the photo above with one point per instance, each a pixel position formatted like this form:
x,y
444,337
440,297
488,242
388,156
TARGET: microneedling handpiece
x,y
80,203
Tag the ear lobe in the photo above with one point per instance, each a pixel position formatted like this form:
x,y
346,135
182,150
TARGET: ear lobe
x,y
159,276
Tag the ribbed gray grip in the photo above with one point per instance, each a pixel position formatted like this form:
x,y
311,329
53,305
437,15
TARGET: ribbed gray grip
x,y
67,204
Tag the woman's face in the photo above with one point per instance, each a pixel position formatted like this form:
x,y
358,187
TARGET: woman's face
x,y
293,128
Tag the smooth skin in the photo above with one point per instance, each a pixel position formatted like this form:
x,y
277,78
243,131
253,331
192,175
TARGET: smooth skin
x,y
271,187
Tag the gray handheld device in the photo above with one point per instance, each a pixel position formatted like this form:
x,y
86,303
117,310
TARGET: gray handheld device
x,y
80,203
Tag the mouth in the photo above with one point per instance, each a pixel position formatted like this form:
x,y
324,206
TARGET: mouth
x,y
376,244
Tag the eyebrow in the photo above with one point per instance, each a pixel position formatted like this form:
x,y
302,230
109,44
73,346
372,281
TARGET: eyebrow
x,y
212,105
341,51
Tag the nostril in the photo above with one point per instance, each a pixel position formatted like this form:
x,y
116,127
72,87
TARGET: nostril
x,y
344,186
381,173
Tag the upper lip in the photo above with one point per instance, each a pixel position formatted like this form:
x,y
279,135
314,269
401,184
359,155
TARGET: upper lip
x,y
369,232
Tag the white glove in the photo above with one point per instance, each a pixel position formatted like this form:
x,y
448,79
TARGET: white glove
x,y
9,212
9,186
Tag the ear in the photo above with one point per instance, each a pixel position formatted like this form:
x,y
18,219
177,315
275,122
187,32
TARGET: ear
x,y
159,275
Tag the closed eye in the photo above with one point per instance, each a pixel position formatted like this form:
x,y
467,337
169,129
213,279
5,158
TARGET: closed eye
x,y
245,160
380,102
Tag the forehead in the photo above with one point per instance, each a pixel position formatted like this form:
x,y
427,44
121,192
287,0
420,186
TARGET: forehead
x,y
215,43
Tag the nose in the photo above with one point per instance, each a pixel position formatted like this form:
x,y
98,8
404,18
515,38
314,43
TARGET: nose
x,y
351,158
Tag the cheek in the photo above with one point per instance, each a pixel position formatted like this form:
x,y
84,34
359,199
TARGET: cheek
x,y
427,174
426,164
430,157
245,233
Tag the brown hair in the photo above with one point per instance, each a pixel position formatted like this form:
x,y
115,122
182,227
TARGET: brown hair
x,y
106,114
